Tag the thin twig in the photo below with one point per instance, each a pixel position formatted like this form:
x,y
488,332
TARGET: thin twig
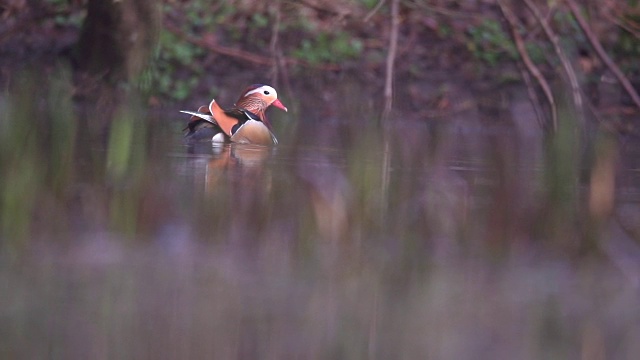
x,y
566,64
529,64
391,58
621,23
273,45
279,68
575,10
374,11
317,8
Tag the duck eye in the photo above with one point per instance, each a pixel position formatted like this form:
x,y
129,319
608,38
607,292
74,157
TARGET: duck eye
x,y
266,92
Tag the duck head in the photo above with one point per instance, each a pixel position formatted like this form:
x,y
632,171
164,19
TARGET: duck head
x,y
257,98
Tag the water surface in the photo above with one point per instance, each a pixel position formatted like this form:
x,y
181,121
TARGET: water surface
x,y
458,237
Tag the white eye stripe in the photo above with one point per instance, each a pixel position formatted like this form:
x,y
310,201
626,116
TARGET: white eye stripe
x,y
262,89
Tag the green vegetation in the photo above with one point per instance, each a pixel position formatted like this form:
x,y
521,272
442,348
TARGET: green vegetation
x,y
627,48
174,58
491,44
328,48
202,40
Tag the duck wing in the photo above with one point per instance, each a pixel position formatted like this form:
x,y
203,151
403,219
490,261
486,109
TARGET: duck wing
x,y
202,125
243,115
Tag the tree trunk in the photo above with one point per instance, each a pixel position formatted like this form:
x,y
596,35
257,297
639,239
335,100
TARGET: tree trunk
x,y
118,38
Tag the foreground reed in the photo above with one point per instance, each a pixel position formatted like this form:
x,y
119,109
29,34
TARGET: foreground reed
x,y
441,240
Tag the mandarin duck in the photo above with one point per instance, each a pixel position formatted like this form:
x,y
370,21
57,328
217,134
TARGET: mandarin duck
x,y
246,122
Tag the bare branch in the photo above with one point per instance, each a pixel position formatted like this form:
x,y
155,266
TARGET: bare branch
x,y
564,60
575,10
531,67
374,10
244,55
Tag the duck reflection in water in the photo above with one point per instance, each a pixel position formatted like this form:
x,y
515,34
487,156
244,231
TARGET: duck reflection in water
x,y
231,164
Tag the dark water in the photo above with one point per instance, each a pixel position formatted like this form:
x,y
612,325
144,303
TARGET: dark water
x,y
465,236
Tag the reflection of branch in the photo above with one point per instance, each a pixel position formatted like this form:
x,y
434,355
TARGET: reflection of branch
x,y
391,58
533,97
531,67
241,54
566,64
575,10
